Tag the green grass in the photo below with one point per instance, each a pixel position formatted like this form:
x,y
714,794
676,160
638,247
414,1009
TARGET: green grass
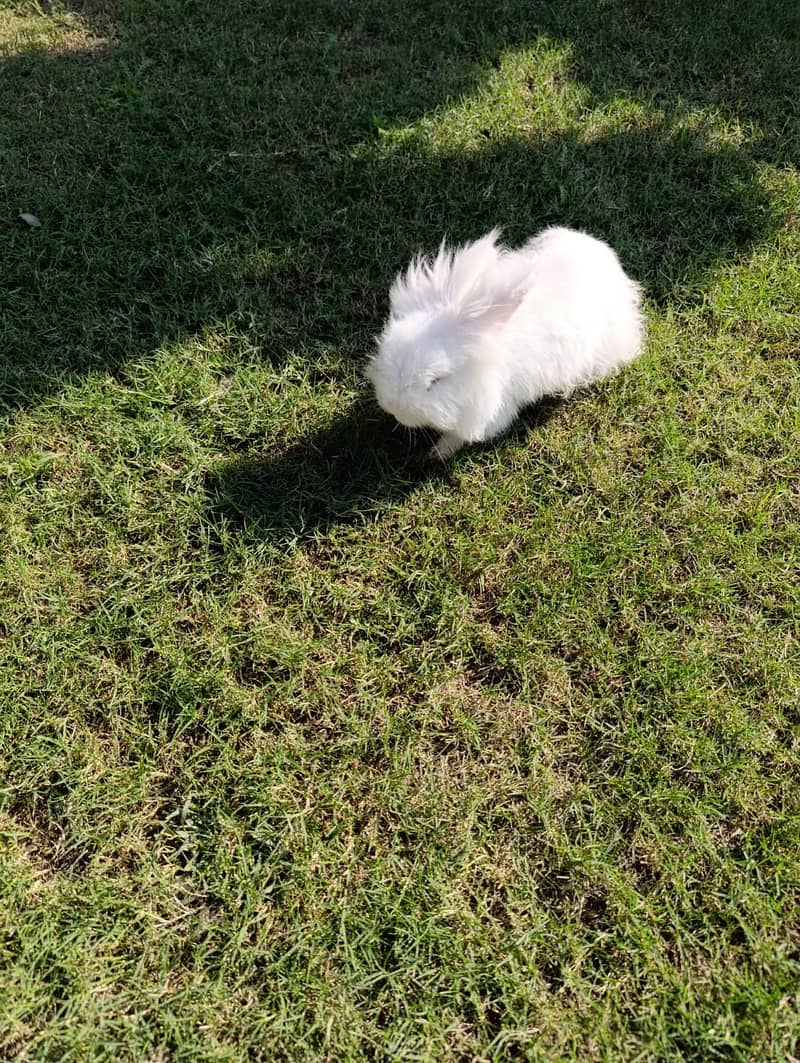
x,y
311,750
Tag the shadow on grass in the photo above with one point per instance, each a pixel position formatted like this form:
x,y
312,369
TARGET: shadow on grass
x,y
198,167
232,168
340,474
734,58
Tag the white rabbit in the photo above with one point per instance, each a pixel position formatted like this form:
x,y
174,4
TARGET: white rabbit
x,y
479,332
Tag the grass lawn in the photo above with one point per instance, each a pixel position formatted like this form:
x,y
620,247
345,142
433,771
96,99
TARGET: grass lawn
x,y
312,750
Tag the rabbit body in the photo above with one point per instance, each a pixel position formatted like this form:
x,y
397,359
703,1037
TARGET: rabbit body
x,y
479,332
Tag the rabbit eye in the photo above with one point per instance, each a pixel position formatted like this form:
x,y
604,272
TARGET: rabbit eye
x,y
432,381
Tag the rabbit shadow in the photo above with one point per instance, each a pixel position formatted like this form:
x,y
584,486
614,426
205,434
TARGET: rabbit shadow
x,y
343,473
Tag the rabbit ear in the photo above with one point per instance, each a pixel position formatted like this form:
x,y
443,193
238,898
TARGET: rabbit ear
x,y
494,314
488,314
495,284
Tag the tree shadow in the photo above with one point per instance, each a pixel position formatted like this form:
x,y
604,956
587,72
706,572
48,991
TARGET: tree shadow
x,y
735,58
203,173
241,170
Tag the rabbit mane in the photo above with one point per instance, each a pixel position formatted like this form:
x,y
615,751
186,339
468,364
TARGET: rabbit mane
x,y
469,281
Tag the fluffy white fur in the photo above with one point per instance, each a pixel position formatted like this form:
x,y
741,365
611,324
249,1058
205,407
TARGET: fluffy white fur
x,y
478,332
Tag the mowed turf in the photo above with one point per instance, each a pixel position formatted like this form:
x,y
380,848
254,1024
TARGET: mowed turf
x,y
310,749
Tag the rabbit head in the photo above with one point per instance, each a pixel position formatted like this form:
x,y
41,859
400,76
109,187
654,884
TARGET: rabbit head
x,y
431,367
